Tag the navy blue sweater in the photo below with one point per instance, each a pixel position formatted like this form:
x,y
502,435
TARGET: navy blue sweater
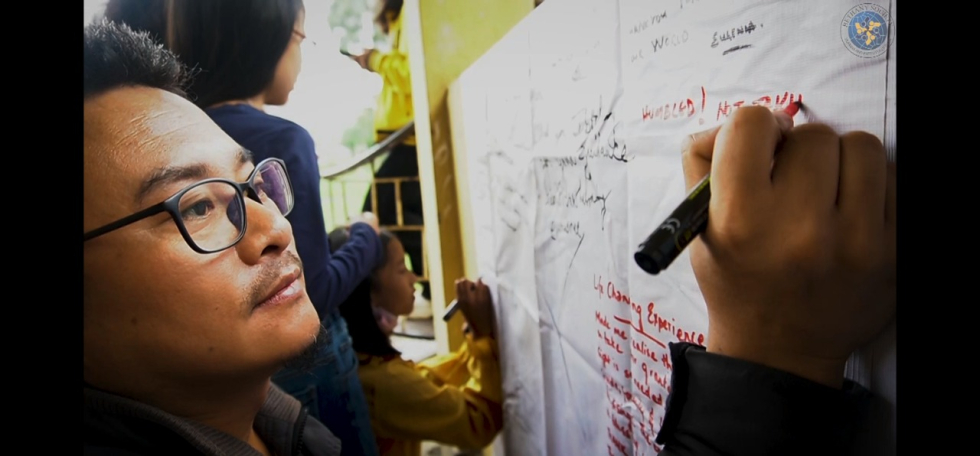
x,y
330,278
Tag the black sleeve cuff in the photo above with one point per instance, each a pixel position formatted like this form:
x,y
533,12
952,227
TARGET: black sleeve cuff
x,y
722,405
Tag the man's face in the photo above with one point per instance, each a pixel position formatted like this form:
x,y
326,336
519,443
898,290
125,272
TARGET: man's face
x,y
157,313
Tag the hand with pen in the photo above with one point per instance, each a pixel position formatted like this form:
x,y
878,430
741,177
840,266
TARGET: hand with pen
x,y
477,306
797,262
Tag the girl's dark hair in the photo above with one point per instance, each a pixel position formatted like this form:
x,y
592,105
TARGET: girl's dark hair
x,y
356,309
235,44
383,8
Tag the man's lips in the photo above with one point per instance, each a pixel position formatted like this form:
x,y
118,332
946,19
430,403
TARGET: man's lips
x,y
285,289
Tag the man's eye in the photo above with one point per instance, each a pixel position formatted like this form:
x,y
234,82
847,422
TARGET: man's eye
x,y
199,209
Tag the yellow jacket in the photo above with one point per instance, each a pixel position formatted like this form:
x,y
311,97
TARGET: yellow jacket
x,y
454,399
394,108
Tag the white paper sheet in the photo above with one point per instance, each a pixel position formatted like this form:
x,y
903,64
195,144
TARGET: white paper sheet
x,y
582,109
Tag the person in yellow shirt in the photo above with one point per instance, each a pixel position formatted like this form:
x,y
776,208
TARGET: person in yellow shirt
x,y
455,399
394,111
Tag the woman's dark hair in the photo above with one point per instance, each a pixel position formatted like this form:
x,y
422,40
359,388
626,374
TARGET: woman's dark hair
x,y
235,44
356,309
382,8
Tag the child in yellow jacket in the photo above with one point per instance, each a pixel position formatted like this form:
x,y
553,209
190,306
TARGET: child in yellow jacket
x,y
454,399
393,111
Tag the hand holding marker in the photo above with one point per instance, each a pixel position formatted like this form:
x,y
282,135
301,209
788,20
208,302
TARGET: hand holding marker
x,y
689,220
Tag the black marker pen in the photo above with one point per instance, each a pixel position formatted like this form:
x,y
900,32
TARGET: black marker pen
x,y
669,239
689,220
451,310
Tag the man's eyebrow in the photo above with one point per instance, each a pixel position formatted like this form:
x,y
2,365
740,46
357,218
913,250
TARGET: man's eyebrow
x,y
244,155
170,175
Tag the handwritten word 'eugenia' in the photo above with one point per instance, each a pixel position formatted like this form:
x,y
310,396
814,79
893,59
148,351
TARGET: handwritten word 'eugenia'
x,y
729,35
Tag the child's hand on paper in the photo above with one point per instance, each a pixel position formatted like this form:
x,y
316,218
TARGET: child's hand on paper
x,y
477,306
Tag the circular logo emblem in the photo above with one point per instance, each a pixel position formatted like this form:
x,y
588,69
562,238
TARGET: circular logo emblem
x,y
864,30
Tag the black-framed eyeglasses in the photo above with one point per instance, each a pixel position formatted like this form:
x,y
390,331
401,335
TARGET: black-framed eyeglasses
x,y
210,214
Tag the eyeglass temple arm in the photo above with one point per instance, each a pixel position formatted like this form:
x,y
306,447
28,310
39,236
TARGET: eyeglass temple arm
x,y
152,210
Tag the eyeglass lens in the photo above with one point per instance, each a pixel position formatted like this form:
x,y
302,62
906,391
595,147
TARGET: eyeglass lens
x,y
212,212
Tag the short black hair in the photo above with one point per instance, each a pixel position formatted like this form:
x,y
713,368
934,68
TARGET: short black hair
x,y
235,44
143,15
366,336
116,56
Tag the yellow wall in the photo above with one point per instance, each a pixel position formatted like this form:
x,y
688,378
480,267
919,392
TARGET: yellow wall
x,y
445,37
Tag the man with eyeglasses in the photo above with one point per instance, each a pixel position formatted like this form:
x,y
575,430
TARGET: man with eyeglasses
x,y
193,292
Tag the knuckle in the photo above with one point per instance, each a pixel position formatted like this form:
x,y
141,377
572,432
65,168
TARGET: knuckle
x,y
816,132
864,143
752,117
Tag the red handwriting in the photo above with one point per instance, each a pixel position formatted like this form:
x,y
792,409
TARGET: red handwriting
x,y
674,110
684,108
604,358
610,341
641,347
662,381
659,322
610,291
664,325
620,333
616,295
602,320
646,435
612,383
665,359
645,390
639,329
618,408
725,108
639,406
692,337
625,430
619,445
